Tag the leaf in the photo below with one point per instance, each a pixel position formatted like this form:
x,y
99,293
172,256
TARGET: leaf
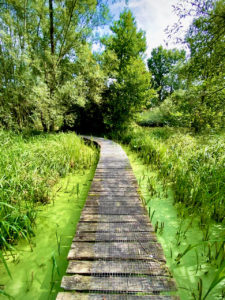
x,y
220,275
5,264
189,247
6,204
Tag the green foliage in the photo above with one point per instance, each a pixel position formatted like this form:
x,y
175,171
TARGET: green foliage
x,y
202,102
42,46
30,166
126,41
129,87
164,65
200,107
128,95
220,275
192,164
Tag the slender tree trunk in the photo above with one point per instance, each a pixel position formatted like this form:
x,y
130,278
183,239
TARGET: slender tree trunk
x,y
43,123
52,72
51,28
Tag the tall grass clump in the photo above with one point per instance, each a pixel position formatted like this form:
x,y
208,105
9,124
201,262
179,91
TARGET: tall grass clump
x,y
29,167
194,165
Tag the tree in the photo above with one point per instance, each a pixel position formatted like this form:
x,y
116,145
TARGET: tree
x,y
164,65
203,102
40,46
129,89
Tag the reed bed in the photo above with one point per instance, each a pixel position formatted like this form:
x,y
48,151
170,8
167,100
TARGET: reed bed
x,y
193,165
29,167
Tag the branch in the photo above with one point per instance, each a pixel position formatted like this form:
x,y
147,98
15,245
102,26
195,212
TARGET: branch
x,y
67,29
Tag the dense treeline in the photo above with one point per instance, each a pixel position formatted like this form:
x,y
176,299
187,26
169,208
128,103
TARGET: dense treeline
x,y
47,68
51,80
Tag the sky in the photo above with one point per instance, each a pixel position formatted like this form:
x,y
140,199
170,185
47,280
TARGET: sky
x,y
152,16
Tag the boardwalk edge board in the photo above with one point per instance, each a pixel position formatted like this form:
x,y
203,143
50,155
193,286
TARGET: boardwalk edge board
x,y
115,254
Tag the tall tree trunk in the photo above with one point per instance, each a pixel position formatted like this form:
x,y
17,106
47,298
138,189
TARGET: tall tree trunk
x,y
52,71
51,28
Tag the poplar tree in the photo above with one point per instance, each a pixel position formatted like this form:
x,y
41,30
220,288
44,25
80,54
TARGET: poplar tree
x,y
128,79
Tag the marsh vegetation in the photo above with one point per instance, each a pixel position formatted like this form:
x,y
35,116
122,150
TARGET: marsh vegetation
x,y
53,83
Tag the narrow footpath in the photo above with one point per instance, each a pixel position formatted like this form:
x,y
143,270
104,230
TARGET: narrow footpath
x,y
115,254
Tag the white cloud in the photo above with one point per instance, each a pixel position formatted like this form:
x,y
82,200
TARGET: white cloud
x,y
153,16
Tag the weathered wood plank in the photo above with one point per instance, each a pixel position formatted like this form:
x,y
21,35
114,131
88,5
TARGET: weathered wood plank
x,y
114,237
118,284
114,210
114,193
116,267
112,190
97,202
112,181
114,198
101,218
85,296
116,250
114,227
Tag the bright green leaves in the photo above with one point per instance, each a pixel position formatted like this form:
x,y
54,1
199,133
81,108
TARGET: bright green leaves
x,y
126,41
164,65
202,102
46,66
128,80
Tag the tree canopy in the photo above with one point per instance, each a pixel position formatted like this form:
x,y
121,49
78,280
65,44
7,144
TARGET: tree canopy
x,y
164,64
50,79
129,90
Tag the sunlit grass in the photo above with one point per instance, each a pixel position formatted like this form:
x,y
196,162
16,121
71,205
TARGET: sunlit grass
x,y
193,165
29,167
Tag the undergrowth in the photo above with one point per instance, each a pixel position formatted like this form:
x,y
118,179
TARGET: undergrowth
x,y
193,165
29,167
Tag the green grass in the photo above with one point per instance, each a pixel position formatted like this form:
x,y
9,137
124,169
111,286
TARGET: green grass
x,y
37,268
29,167
193,165
153,117
196,262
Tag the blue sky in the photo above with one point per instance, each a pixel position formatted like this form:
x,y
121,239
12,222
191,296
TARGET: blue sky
x,y
153,16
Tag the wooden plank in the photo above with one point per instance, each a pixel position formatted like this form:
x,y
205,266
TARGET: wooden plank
x,y
116,250
114,193
85,217
112,198
97,202
88,267
85,296
116,186
118,284
114,189
114,227
114,210
114,237
122,181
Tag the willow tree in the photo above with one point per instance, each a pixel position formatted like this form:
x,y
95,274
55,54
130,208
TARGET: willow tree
x,y
41,42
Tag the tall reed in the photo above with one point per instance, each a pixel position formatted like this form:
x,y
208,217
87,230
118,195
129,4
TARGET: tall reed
x,y
192,164
29,167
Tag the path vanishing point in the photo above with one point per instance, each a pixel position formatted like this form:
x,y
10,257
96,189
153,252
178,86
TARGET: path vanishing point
x,y
115,254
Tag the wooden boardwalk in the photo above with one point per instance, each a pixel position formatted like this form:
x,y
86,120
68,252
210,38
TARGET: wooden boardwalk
x,y
115,254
